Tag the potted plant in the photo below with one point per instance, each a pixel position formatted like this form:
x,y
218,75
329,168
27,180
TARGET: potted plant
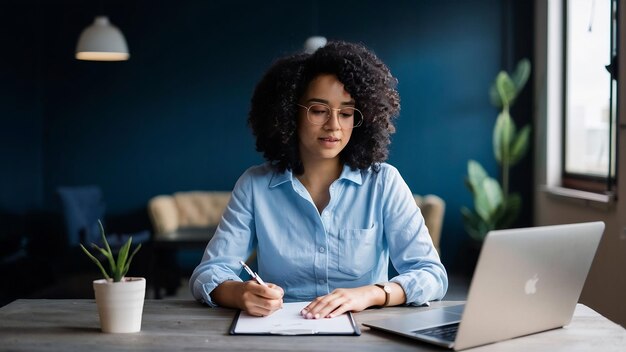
x,y
119,298
494,206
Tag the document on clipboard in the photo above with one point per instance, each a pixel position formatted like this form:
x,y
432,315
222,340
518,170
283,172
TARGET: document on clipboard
x,y
288,321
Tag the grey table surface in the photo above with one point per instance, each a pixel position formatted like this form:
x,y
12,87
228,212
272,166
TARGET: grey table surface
x,y
183,325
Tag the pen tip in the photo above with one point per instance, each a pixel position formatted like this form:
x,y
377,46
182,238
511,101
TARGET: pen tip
x,y
241,262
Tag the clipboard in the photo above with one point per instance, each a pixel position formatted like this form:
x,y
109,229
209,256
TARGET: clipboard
x,y
289,322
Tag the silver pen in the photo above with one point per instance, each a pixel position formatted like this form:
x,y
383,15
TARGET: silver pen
x,y
253,274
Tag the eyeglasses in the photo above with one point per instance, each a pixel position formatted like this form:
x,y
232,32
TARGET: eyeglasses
x,y
318,114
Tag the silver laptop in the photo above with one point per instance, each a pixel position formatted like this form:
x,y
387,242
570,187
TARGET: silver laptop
x,y
526,281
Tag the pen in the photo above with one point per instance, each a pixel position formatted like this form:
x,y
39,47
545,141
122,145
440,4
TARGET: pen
x,y
253,274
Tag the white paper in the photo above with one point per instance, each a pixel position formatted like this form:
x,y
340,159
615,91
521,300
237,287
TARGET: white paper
x,y
288,321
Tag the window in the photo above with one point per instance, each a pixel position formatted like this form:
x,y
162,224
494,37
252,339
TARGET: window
x,y
590,95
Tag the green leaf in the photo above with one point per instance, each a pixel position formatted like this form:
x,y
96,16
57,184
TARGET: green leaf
x,y
130,259
503,134
473,223
121,258
506,88
510,211
104,238
493,209
476,174
469,217
488,199
109,253
520,75
104,273
520,145
119,269
504,91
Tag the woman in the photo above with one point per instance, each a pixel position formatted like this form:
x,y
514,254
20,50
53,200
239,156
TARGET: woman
x,y
325,213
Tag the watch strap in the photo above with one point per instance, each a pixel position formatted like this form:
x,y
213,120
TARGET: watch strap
x,y
385,289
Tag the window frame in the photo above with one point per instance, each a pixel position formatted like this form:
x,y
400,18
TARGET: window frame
x,y
588,182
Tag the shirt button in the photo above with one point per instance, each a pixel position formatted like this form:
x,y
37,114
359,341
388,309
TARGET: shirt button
x,y
322,249
322,281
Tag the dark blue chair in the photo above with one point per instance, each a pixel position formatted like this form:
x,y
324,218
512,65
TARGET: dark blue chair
x,y
82,207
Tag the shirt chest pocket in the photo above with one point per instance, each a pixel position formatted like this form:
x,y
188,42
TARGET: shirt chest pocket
x,y
358,250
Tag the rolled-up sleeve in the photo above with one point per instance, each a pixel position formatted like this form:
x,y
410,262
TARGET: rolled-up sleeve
x,y
421,273
234,240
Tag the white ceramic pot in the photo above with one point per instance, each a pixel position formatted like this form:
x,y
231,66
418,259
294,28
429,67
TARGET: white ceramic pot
x,y
120,304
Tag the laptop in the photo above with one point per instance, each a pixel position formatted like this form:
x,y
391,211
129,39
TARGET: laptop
x,y
526,281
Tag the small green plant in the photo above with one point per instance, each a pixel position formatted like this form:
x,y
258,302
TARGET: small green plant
x,y
120,267
494,207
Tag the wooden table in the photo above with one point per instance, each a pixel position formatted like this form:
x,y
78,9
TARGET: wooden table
x,y
169,325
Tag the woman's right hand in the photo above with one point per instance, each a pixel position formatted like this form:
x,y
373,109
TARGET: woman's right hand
x,y
250,296
259,300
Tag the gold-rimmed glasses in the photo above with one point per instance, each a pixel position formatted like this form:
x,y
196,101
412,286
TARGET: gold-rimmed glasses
x,y
348,116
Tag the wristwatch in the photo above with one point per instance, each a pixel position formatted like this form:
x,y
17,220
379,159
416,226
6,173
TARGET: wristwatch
x,y
387,288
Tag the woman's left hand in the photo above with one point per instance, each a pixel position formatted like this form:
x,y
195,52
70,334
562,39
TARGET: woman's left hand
x,y
342,300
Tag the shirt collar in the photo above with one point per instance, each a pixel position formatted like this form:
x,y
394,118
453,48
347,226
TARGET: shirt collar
x,y
351,175
347,173
279,178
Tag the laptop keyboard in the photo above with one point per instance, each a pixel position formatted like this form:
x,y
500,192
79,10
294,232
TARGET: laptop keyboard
x,y
444,332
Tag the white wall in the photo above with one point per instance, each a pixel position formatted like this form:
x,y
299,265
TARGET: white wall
x,y
605,289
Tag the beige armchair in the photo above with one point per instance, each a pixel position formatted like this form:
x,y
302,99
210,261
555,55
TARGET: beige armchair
x,y
189,219
186,210
179,221
172,215
433,209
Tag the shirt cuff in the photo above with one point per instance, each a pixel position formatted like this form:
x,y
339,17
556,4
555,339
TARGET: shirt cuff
x,y
421,288
204,289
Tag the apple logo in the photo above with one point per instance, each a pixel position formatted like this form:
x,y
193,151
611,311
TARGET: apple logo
x,y
531,285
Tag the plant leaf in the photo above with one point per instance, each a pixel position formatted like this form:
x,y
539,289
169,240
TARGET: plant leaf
x,y
119,269
520,76
510,211
104,273
469,216
122,255
503,134
476,174
108,248
104,238
506,89
493,209
108,255
520,145
472,224
130,259
488,199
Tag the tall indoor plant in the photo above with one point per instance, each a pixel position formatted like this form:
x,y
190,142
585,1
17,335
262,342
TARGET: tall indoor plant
x,y
495,207
119,298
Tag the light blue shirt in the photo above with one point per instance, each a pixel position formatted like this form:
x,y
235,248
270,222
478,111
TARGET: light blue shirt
x,y
370,218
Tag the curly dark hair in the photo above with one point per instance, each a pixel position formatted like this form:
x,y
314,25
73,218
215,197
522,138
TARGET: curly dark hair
x,y
273,114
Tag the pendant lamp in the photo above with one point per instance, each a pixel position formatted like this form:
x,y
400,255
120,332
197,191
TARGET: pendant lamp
x,y
316,41
313,43
102,41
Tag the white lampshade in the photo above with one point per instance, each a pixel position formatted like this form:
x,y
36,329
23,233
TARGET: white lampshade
x,y
314,43
102,41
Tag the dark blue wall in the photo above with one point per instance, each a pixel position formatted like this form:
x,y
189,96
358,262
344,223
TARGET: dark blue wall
x,y
21,112
173,117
